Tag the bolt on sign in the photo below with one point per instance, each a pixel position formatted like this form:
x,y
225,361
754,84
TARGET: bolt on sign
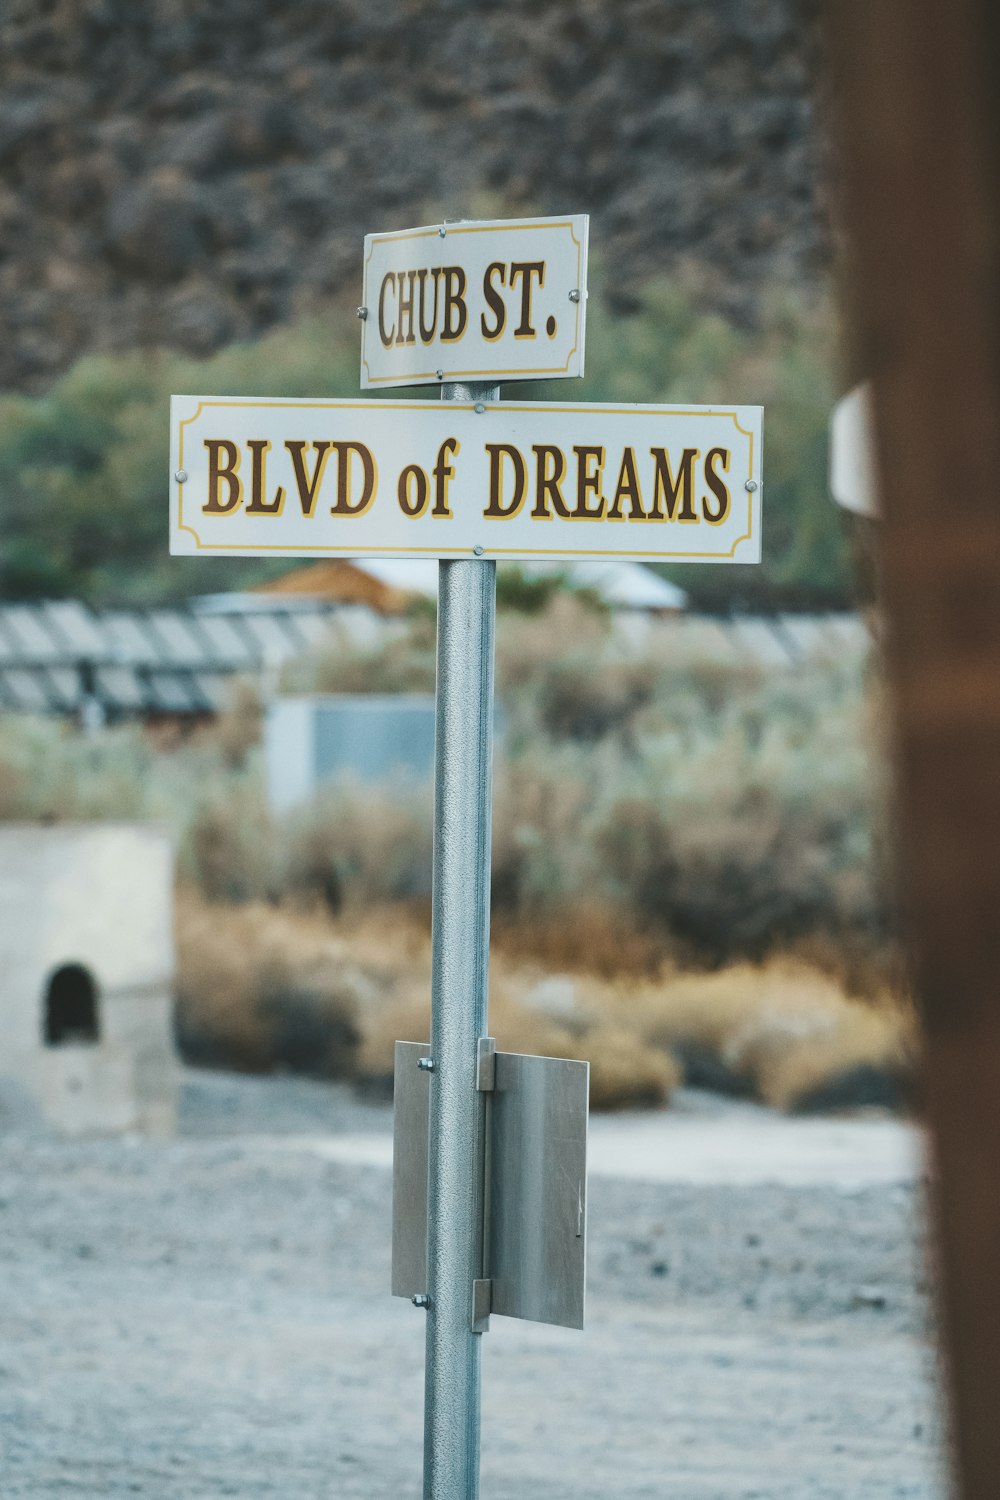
x,y
495,480
488,300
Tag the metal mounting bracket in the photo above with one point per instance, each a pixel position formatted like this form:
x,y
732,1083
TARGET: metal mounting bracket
x,y
532,1184
482,1304
486,1069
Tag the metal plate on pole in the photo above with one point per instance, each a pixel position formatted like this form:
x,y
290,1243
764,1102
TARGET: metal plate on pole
x,y
537,1247
479,300
410,1122
535,1193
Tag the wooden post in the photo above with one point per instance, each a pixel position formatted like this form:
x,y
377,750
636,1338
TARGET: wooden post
x,y
917,90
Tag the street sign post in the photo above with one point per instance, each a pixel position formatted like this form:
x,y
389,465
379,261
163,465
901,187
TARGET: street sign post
x,y
489,1180
467,478
487,300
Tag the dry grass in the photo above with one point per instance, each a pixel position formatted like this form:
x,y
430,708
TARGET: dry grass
x,y
263,987
260,989
783,1033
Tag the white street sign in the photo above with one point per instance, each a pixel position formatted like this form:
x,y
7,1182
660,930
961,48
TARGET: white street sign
x,y
453,479
489,299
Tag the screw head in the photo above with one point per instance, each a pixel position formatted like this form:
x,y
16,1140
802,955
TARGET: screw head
x,y
574,295
439,374
442,232
181,476
478,551
751,485
480,408
361,312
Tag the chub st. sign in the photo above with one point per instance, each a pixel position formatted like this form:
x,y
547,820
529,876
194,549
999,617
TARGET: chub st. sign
x,y
484,300
417,478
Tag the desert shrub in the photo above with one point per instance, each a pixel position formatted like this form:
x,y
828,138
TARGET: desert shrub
x,y
363,845
259,990
782,1033
589,935
525,593
401,661
238,729
51,773
228,847
624,1073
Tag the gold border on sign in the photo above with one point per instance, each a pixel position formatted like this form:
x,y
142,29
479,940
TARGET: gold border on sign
x,y
608,409
508,226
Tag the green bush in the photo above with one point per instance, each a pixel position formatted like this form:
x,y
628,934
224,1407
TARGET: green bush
x,y
83,469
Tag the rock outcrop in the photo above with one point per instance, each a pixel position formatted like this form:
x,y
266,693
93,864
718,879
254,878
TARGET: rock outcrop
x,y
186,172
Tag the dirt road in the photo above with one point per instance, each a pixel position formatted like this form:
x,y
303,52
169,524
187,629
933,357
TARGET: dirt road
x,y
208,1317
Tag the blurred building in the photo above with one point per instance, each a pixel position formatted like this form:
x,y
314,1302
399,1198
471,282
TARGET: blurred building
x,y
154,664
370,738
388,584
86,954
179,665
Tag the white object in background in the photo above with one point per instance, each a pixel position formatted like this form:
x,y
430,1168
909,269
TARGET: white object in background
x,y
853,480
87,958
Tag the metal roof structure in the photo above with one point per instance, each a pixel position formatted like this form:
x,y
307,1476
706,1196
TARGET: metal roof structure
x,y
57,658
621,585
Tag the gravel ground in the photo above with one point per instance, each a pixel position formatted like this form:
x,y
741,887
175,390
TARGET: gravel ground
x,y
208,1317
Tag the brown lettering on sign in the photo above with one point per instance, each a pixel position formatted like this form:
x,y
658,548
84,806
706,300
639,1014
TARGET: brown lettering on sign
x,y
259,506
525,270
494,300
677,494
496,507
589,473
412,491
308,488
385,334
345,504
716,457
456,314
220,472
427,330
404,309
443,474
547,482
627,488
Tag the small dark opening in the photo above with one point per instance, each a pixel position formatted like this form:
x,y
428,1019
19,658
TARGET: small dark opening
x,y
71,1007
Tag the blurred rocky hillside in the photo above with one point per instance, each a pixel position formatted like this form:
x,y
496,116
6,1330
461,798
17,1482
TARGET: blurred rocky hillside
x,y
184,173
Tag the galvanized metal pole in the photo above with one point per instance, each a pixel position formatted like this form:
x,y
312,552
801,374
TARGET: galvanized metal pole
x,y
461,901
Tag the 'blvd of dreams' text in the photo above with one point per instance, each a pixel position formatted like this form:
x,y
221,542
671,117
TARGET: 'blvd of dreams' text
x,y
584,482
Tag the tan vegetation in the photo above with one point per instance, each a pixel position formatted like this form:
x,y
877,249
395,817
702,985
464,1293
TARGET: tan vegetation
x,y
688,869
262,987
